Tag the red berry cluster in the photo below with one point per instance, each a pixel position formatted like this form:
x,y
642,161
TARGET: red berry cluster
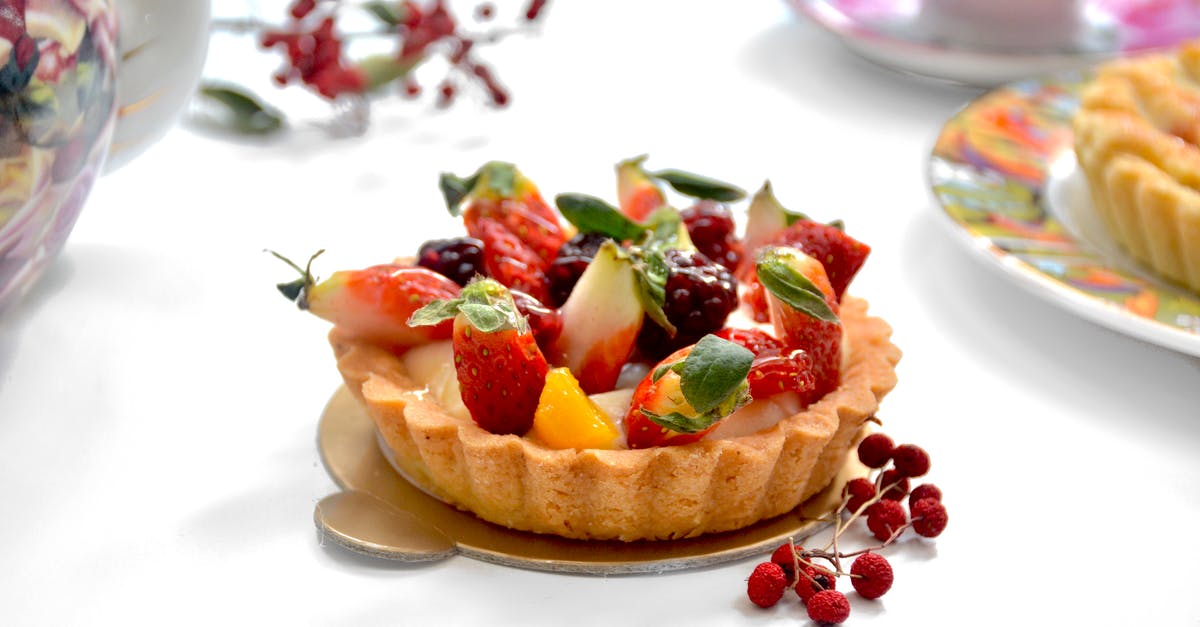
x,y
315,57
880,500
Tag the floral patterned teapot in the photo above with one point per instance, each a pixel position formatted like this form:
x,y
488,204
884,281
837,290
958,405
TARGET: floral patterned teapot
x,y
73,94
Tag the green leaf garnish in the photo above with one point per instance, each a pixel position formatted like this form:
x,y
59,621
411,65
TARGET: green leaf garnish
x,y
667,230
391,14
455,189
701,187
243,112
297,291
487,305
680,423
651,271
789,285
592,215
713,372
501,178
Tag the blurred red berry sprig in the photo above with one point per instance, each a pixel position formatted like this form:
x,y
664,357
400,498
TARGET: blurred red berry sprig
x,y
314,50
879,498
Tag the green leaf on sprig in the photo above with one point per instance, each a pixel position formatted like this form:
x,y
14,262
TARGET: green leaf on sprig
x,y
487,305
651,271
455,189
777,274
702,187
682,423
666,231
713,372
592,215
242,111
500,178
390,13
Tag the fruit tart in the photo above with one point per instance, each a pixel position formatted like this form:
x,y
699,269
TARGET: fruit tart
x,y
628,372
1136,136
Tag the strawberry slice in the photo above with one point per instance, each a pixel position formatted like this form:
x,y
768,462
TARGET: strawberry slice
x,y
509,260
841,255
803,309
374,303
776,369
687,394
637,194
500,369
500,192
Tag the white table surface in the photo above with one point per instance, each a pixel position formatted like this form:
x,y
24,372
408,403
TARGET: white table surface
x,y
159,400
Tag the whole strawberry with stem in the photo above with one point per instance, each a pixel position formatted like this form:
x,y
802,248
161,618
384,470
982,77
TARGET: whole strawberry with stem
x,y
500,192
804,311
501,371
374,303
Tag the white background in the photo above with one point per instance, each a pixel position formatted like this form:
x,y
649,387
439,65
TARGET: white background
x,y
159,400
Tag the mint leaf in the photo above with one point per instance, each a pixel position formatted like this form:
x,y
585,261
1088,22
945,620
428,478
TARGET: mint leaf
x,y
667,230
792,287
456,189
592,215
651,272
389,14
680,423
243,111
434,312
501,178
483,317
713,372
698,186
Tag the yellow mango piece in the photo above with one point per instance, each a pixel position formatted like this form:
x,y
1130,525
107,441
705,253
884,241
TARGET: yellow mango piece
x,y
567,418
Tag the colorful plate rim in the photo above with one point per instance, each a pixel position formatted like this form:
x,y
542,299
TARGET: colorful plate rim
x,y
992,170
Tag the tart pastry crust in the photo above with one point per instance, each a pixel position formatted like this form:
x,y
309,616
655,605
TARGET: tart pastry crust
x,y
1136,136
646,494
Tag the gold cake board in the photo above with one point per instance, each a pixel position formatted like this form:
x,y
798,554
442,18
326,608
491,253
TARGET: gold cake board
x,y
381,514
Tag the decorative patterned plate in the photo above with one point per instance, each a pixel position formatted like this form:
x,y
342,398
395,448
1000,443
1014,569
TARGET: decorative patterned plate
x,y
1004,171
990,43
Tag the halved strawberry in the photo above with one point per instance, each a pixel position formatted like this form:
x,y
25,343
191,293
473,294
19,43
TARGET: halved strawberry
x,y
841,255
688,393
500,369
509,260
776,369
374,303
803,310
501,192
637,194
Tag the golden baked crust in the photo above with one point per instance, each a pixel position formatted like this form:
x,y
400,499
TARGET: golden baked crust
x,y
656,493
1136,137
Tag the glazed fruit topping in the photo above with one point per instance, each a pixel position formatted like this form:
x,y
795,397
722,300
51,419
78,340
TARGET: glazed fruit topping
x,y
501,371
458,259
699,296
711,228
776,368
804,310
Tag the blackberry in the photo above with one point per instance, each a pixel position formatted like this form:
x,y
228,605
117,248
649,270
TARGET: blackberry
x,y
710,227
700,296
545,322
573,258
458,259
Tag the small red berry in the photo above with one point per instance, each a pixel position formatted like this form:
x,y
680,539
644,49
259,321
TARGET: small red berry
x,y
875,450
910,460
785,556
899,483
485,11
885,517
860,491
813,580
766,584
829,607
929,517
924,491
873,575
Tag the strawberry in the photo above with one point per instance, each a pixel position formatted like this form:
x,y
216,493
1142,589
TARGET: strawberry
x,y
374,303
803,309
637,194
500,369
500,192
775,369
840,254
688,393
509,260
